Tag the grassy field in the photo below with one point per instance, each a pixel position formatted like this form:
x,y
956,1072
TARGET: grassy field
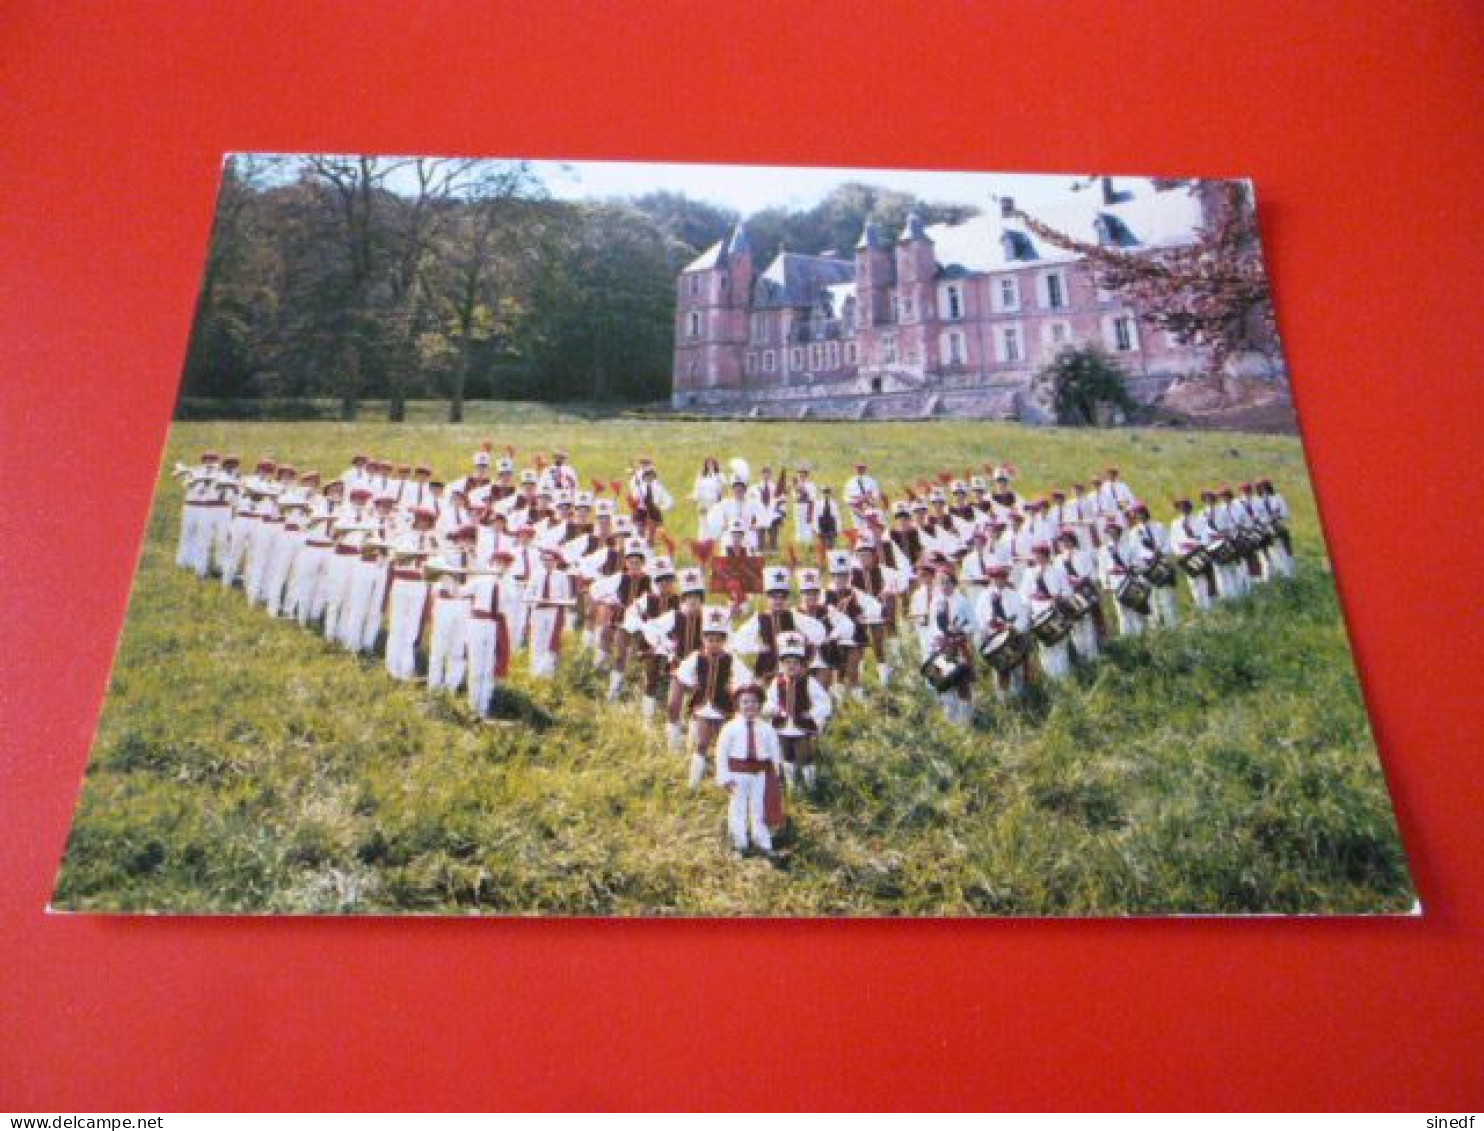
x,y
243,765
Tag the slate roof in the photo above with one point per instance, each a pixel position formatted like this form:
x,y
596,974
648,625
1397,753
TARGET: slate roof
x,y
794,279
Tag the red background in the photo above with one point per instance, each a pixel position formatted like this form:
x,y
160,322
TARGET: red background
x,y
1360,125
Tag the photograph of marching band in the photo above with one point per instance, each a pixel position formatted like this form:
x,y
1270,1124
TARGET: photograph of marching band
x,y
592,538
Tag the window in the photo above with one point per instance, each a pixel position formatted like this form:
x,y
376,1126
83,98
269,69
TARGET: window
x,y
1123,334
888,350
850,353
695,285
796,359
749,366
1055,297
907,307
1055,334
693,324
1006,292
768,361
759,329
1009,343
850,316
955,348
814,360
955,303
896,309
833,355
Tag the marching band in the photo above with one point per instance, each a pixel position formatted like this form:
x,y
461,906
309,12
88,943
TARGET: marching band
x,y
963,578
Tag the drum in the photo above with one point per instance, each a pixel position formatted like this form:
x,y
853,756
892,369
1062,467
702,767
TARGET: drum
x,y
1161,573
946,670
1134,593
1223,551
1076,605
1196,562
1051,626
1005,650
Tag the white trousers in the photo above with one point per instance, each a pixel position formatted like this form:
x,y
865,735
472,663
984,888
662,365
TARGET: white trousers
x,y
286,549
1085,639
234,548
745,814
543,630
404,619
1056,660
260,545
360,616
304,582
334,591
1130,621
1165,604
481,647
446,651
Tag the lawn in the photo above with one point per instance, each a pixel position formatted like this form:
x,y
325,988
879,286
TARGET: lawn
x,y
244,765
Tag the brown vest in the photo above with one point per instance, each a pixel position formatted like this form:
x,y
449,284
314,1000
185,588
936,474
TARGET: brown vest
x,y
713,683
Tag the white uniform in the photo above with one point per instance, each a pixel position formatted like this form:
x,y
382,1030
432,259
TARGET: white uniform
x,y
1041,586
1148,541
409,596
360,616
707,492
746,511
996,610
1186,536
1084,629
861,489
447,655
548,598
489,643
1116,561
743,740
806,506
950,615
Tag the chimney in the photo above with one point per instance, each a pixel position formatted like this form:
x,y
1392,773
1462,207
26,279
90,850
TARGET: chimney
x,y
1007,206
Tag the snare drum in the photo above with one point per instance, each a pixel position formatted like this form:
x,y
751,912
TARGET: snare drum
x,y
1133,594
1005,650
948,669
1051,626
1196,562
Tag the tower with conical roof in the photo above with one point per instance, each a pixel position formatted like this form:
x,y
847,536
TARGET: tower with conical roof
x,y
917,272
711,324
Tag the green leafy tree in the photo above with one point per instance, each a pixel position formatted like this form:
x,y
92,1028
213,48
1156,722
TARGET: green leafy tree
x,y
1085,386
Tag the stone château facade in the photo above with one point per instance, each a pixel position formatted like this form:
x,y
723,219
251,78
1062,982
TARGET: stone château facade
x,y
941,319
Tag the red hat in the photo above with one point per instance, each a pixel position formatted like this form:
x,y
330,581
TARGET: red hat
x,y
422,469
1068,536
1227,493
385,501
359,494
232,459
1247,488
209,457
1041,548
1183,504
266,465
503,556
356,460
996,571
1059,495
468,530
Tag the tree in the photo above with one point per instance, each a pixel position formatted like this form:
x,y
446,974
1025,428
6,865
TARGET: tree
x,y
1084,385
1213,290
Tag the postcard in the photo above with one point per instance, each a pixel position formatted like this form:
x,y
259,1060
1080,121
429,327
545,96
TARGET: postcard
x,y
600,538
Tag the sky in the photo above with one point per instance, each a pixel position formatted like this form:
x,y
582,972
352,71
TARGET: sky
x,y
751,188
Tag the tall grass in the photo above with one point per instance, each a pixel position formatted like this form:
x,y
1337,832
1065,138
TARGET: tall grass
x,y
244,765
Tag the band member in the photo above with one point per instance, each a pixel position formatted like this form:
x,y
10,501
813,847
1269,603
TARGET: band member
x,y
1231,576
360,618
489,644
999,610
827,521
1274,508
825,659
613,595
1006,501
884,586
759,637
1114,496
1189,533
1081,570
1244,522
799,707
549,598
339,569
560,475
306,597
1150,544
710,487
448,645
200,495
748,758
674,636
648,499
1044,587
806,505
905,536
708,679
861,493
409,593
862,611
660,600
951,628
769,496
1117,565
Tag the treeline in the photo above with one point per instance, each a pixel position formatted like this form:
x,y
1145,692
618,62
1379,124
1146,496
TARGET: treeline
x,y
366,278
